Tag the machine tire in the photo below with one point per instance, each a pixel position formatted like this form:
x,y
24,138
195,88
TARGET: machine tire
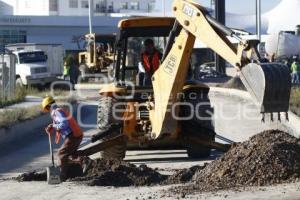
x,y
105,120
202,129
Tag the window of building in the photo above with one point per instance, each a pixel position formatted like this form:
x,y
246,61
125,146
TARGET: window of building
x,y
134,5
151,6
84,4
53,5
73,3
12,36
100,6
124,5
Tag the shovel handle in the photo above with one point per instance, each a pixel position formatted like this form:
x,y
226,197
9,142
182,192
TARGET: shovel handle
x,y
50,146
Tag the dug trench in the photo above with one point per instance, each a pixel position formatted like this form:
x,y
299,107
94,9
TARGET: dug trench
x,y
268,158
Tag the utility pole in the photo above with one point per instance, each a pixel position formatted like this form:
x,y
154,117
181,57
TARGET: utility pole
x,y
220,17
258,19
91,6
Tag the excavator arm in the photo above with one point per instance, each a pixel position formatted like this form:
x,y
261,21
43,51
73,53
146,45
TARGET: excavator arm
x,y
268,84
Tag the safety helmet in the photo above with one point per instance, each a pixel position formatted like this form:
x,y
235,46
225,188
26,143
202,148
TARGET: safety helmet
x,y
295,57
46,102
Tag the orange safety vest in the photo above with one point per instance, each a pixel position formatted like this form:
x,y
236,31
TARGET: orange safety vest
x,y
76,130
155,61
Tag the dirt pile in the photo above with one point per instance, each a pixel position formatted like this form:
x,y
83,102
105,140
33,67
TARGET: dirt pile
x,y
183,176
268,158
234,83
32,176
119,174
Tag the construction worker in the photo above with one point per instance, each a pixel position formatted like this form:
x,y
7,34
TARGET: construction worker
x,y
67,128
295,68
66,72
150,58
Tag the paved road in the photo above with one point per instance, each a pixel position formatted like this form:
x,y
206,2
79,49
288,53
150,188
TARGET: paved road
x,y
230,122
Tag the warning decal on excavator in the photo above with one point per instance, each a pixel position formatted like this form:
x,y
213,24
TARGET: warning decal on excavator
x,y
169,67
188,10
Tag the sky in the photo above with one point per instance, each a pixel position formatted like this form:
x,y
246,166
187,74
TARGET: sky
x,y
234,6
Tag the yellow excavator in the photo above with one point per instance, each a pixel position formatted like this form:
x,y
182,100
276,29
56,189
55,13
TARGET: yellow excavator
x,y
99,53
175,111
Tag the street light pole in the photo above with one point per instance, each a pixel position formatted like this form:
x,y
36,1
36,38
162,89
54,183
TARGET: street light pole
x,y
90,15
258,19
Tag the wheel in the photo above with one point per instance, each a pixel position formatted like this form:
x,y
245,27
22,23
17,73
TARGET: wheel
x,y
19,82
200,125
105,119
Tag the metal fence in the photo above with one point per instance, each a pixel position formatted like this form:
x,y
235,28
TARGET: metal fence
x,y
7,77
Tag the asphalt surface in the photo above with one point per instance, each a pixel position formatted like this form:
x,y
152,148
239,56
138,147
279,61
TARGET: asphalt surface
x,y
230,122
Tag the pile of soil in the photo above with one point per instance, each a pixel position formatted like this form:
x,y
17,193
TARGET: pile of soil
x,y
32,176
183,176
119,174
268,158
234,83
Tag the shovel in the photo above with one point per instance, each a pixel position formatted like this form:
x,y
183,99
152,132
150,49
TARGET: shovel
x,y
53,172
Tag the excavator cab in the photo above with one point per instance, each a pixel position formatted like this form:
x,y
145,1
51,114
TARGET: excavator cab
x,y
129,45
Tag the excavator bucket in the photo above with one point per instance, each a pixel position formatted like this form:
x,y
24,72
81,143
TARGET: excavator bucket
x,y
269,84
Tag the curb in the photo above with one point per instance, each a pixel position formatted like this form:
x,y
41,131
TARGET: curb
x,y
292,125
25,130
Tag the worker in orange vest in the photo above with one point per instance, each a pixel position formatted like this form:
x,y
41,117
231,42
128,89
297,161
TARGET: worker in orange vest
x,y
67,128
150,58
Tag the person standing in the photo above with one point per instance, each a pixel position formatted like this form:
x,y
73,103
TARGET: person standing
x,y
66,72
295,68
74,72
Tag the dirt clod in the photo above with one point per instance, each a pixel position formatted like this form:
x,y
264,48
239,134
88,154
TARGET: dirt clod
x,y
120,173
268,158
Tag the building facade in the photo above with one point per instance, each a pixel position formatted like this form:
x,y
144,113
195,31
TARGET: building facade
x,y
65,30
74,7
64,21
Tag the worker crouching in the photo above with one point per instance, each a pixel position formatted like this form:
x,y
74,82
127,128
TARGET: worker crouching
x,y
66,127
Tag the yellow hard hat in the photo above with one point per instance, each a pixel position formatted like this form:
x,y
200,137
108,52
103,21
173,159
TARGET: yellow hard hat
x,y
46,102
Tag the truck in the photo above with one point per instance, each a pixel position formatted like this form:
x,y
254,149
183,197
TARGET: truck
x,y
37,64
284,45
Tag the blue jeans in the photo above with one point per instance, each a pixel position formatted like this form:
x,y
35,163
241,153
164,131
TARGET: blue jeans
x,y
296,78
